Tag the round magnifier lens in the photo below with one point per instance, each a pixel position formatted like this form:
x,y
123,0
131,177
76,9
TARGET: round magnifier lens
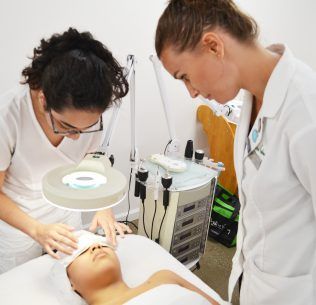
x,y
84,180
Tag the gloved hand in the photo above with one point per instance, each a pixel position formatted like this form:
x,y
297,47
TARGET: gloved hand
x,y
55,236
106,220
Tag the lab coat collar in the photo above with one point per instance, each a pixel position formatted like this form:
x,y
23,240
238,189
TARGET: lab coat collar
x,y
273,99
242,133
278,83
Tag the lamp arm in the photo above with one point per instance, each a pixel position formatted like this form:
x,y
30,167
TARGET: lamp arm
x,y
174,146
108,134
130,75
131,63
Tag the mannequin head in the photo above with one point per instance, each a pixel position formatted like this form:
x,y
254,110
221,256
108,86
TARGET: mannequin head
x,y
96,268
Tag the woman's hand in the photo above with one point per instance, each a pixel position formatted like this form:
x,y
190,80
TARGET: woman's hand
x,y
106,220
55,236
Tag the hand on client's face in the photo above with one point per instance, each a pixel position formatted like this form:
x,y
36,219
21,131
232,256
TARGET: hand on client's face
x,y
106,220
56,236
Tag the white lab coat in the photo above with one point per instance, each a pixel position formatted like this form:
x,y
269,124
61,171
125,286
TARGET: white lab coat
x,y
27,155
276,173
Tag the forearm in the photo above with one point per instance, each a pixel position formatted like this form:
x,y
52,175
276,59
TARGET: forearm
x,y
14,216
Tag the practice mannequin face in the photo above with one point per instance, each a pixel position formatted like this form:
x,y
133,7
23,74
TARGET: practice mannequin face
x,y
204,72
96,268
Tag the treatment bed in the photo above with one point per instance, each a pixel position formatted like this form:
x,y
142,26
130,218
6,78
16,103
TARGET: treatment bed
x,y
139,257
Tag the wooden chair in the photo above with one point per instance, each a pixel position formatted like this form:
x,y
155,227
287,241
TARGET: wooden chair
x,y
220,134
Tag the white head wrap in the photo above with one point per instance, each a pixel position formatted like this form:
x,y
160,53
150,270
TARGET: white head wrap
x,y
58,273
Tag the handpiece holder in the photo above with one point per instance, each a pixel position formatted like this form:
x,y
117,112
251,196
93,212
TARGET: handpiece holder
x,y
142,176
166,182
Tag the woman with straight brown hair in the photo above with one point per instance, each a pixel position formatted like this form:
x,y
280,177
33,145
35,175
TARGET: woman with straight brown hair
x,y
212,46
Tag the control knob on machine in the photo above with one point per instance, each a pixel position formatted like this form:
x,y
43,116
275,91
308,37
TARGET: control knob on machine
x,y
198,156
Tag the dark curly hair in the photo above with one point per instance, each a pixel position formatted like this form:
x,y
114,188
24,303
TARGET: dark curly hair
x,y
183,23
76,71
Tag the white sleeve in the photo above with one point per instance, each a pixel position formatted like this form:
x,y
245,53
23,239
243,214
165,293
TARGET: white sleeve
x,y
7,144
303,158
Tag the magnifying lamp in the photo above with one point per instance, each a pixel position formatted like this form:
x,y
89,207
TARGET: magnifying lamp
x,y
93,184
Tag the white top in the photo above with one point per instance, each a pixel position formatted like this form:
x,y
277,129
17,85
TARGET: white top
x,y
27,154
276,173
168,294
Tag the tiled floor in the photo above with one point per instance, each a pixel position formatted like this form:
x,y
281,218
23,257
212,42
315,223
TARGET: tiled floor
x,y
215,268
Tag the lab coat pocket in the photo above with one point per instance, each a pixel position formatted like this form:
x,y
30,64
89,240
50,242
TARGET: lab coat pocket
x,y
265,288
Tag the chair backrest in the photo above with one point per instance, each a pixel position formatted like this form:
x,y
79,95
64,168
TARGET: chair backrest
x,y
220,134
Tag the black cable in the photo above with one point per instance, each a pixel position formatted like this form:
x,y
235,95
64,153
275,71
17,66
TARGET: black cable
x,y
167,147
126,221
163,218
152,224
129,223
144,219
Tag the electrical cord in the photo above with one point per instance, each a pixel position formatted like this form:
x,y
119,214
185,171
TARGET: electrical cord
x,y
126,221
166,182
164,152
162,220
144,219
152,224
129,223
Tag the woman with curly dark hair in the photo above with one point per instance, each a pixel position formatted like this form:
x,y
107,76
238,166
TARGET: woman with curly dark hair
x,y
70,82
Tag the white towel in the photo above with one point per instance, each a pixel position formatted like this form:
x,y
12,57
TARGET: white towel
x,y
169,294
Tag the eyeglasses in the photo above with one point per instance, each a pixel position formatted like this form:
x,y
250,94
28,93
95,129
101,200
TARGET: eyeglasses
x,y
75,131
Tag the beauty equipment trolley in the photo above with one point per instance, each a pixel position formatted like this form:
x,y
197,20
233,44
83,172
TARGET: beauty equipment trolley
x,y
184,223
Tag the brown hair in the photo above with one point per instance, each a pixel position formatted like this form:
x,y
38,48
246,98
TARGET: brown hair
x,y
184,21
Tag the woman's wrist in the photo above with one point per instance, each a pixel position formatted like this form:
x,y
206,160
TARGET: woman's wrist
x,y
33,229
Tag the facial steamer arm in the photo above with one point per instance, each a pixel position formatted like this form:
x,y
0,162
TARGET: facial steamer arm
x,y
229,111
174,146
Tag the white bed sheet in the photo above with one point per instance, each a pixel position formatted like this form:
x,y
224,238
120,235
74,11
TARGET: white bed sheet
x,y
140,257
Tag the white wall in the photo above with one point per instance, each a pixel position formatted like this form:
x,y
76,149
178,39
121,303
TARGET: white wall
x,y
287,21
127,27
